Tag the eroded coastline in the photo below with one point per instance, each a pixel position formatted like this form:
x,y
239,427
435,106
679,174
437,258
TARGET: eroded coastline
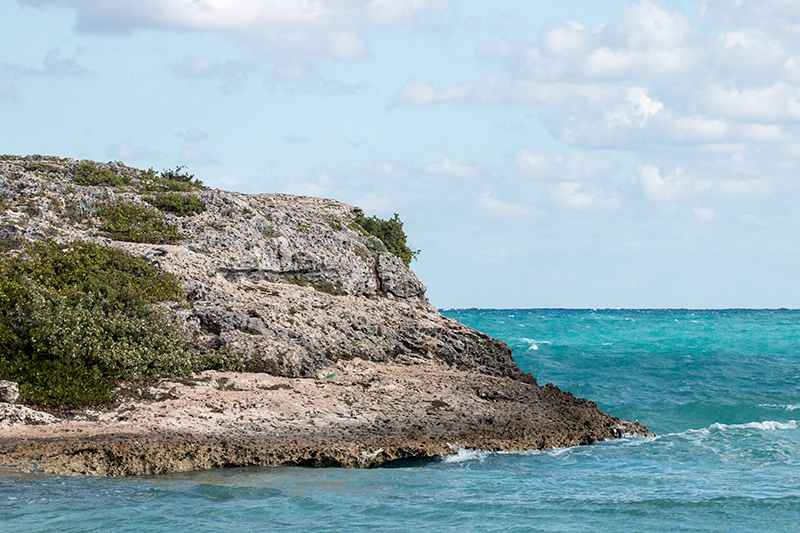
x,y
355,367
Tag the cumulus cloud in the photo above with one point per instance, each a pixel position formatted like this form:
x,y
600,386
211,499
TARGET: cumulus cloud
x,y
674,186
569,194
197,157
576,166
486,203
704,213
193,135
496,90
126,150
374,203
332,28
446,167
652,77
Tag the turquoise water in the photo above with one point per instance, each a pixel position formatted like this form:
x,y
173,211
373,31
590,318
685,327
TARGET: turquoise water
x,y
721,388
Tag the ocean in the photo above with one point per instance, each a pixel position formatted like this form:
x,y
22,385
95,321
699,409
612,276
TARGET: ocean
x,y
721,388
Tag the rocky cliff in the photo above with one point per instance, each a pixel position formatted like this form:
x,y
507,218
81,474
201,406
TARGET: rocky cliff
x,y
296,288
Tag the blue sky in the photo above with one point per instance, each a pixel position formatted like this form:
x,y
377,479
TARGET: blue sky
x,y
593,154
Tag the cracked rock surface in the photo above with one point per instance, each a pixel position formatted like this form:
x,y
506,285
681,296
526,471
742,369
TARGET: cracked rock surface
x,y
296,286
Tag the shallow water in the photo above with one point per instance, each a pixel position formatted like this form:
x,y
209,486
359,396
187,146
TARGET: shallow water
x,y
720,388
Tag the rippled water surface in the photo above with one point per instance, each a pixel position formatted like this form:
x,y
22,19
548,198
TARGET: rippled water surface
x,y
721,388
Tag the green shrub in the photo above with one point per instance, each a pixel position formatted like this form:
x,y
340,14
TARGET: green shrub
x,y
87,173
37,166
181,205
136,223
170,180
391,234
76,318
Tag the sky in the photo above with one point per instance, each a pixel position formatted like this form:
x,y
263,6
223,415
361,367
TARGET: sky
x,y
635,154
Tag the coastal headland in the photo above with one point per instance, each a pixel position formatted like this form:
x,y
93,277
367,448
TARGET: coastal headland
x,y
309,340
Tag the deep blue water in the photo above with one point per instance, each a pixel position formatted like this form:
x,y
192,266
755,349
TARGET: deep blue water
x,y
721,389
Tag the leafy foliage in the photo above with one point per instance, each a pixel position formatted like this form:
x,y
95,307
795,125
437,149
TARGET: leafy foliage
x,y
76,318
391,234
136,223
88,173
170,180
181,205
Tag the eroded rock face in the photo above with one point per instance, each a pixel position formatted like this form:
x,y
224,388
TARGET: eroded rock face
x,y
9,391
352,365
290,281
364,415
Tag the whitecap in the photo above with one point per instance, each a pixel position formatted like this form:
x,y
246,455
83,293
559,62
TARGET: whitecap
x,y
767,425
463,455
794,407
533,344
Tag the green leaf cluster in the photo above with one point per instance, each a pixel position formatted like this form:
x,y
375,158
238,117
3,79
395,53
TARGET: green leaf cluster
x,y
76,318
170,180
88,173
180,204
391,234
124,221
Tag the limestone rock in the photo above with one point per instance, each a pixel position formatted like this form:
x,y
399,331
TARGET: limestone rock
x,y
9,391
292,282
18,414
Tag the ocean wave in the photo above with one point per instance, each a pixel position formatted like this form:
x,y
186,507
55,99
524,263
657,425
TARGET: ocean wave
x,y
534,344
794,407
767,425
464,455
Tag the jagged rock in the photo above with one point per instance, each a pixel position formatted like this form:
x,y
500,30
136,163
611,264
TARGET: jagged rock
x,y
9,391
354,366
290,281
395,279
19,414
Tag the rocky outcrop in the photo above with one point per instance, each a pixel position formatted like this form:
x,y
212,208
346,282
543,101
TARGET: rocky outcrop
x,y
367,414
292,282
303,293
9,391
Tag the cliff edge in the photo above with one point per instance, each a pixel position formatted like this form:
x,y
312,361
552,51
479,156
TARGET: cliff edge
x,y
342,359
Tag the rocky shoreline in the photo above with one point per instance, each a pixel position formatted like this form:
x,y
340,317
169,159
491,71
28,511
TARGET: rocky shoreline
x,y
352,366
367,415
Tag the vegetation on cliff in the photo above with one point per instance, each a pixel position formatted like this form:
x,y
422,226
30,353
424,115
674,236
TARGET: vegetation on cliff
x,y
391,234
77,317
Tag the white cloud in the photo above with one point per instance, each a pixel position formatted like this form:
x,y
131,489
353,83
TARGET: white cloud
x,y
197,157
674,186
127,151
446,167
745,188
704,213
373,203
495,90
651,78
568,194
486,203
333,28
776,103
193,135
577,166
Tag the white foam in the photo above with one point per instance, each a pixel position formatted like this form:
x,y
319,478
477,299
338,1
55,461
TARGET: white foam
x,y
767,425
794,407
534,344
463,455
